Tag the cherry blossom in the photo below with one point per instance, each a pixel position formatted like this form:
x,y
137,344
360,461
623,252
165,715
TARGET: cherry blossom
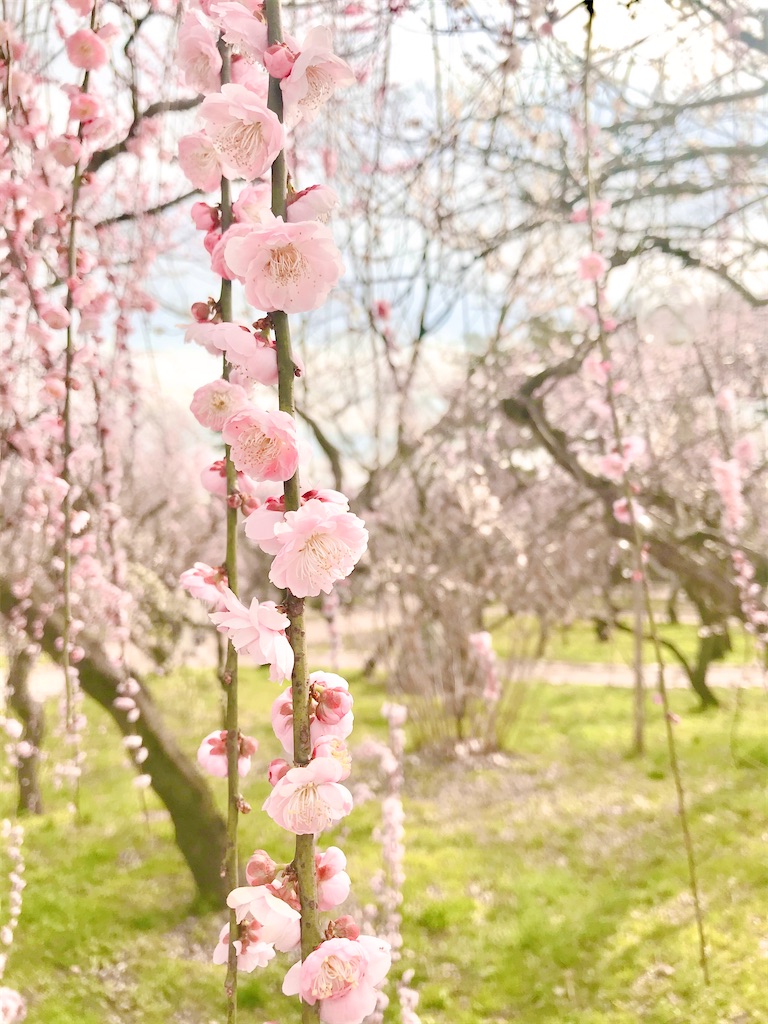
x,y
342,974
259,631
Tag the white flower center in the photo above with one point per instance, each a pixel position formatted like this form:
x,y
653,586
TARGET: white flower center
x,y
322,557
240,142
319,88
306,811
287,265
254,448
336,977
220,401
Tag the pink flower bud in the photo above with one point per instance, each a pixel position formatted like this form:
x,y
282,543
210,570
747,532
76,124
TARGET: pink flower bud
x,y
206,217
277,770
279,60
260,869
345,927
333,704
200,312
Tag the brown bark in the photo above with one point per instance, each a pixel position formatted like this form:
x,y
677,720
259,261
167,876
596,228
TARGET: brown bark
x,y
199,827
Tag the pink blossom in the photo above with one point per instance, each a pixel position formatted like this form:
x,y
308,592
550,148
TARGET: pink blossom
x,y
263,444
596,370
253,353
205,583
612,466
313,203
292,267
745,453
278,922
622,514
206,217
333,882
333,703
309,799
214,403
260,869
592,267
342,974
276,770
66,150
315,76
199,161
212,754
86,50
332,746
727,477
252,951
198,55
320,544
55,315
244,30
84,107
246,135
81,7
258,631
214,478
382,310
254,204
260,525
13,1009
282,719
279,60
216,244
726,400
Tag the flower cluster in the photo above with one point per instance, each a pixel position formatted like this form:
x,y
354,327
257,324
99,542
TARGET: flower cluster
x,y
287,263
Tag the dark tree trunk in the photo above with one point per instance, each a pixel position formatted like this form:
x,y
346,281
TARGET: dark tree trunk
x,y
32,716
200,828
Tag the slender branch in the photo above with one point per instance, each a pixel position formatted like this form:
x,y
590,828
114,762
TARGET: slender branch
x,y
640,575
229,677
304,858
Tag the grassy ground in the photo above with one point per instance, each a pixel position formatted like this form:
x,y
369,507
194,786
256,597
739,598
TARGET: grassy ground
x,y
545,885
579,643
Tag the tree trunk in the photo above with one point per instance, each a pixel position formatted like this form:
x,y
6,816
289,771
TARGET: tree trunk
x,y
200,828
32,716
711,648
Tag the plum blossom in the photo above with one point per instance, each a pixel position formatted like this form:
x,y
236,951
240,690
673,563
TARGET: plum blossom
x,y
212,754
332,746
86,50
199,161
309,799
314,77
333,882
198,54
282,715
246,135
205,583
291,267
279,923
592,266
213,404
259,631
13,1009
279,60
244,30
253,354
342,974
263,444
727,478
320,544
260,525
252,951
254,204
260,869
313,203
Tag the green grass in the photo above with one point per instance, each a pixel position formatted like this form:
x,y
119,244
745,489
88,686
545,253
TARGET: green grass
x,y
545,885
578,643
